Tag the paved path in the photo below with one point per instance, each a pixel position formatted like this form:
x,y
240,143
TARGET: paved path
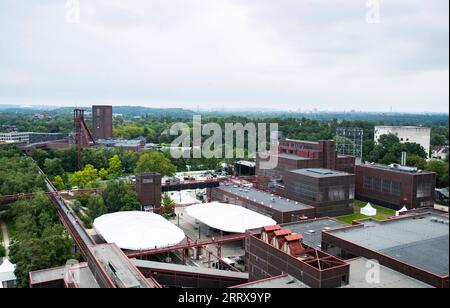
x,y
5,236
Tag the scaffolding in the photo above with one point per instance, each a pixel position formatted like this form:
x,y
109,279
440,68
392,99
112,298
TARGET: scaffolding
x,y
349,141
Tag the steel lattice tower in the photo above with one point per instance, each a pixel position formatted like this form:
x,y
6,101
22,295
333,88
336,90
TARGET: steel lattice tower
x,y
349,141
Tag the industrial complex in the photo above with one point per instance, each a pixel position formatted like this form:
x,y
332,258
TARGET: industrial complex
x,y
257,229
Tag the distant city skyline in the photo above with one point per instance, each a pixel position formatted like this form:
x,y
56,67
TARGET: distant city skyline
x,y
287,55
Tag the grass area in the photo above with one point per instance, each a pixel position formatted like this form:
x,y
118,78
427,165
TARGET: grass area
x,y
357,216
379,208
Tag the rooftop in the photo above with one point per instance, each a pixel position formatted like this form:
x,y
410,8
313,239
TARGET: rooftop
x,y
280,282
266,199
421,241
188,269
228,218
78,273
138,230
312,229
292,157
395,168
119,267
388,277
246,163
320,173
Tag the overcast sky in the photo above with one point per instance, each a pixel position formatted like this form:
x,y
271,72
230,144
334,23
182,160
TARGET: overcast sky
x,y
284,54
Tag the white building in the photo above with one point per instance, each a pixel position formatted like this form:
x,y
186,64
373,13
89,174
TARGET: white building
x,y
14,137
411,134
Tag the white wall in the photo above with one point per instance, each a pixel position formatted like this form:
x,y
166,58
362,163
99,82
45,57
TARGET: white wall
x,y
419,135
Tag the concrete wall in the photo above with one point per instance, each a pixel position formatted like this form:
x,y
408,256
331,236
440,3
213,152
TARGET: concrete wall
x,y
419,135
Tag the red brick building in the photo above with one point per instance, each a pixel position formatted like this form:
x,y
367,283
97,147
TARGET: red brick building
x,y
395,186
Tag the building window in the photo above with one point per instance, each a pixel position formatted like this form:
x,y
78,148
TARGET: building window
x,y
368,182
336,193
424,190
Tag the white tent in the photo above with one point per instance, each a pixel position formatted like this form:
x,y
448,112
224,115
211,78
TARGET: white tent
x,y
368,210
138,230
404,209
228,217
7,272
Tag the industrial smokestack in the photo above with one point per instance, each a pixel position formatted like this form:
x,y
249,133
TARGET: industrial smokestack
x,y
403,162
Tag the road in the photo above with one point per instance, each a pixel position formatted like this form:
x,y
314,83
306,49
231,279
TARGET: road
x,y
5,236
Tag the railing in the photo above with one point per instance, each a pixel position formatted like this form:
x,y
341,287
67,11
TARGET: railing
x,y
187,245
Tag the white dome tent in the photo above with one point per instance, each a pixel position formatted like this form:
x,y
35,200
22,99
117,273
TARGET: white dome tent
x,y
228,218
138,230
369,210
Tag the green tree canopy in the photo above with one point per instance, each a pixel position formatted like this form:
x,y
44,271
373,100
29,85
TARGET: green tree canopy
x,y
155,162
441,170
118,196
115,166
58,183
53,167
96,207
88,177
40,241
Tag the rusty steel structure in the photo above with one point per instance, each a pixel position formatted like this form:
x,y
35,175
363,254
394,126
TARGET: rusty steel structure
x,y
218,242
82,135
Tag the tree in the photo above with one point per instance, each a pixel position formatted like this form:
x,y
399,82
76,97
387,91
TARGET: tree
x,y
88,177
416,161
58,183
40,241
441,170
19,174
40,156
96,207
155,162
53,167
115,166
119,197
103,173
168,206
386,141
2,251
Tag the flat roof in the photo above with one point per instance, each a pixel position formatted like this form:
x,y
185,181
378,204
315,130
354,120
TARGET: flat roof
x,y
281,282
312,229
188,269
138,230
246,163
280,204
405,170
80,273
320,172
228,217
388,278
302,141
402,127
292,157
421,241
119,267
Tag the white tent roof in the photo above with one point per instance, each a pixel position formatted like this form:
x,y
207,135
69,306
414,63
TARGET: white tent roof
x,y
404,209
7,271
228,218
368,210
183,198
138,230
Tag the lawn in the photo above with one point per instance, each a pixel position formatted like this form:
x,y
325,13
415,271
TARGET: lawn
x,y
379,208
357,216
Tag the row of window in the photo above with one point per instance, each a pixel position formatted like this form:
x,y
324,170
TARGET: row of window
x,y
334,193
382,185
